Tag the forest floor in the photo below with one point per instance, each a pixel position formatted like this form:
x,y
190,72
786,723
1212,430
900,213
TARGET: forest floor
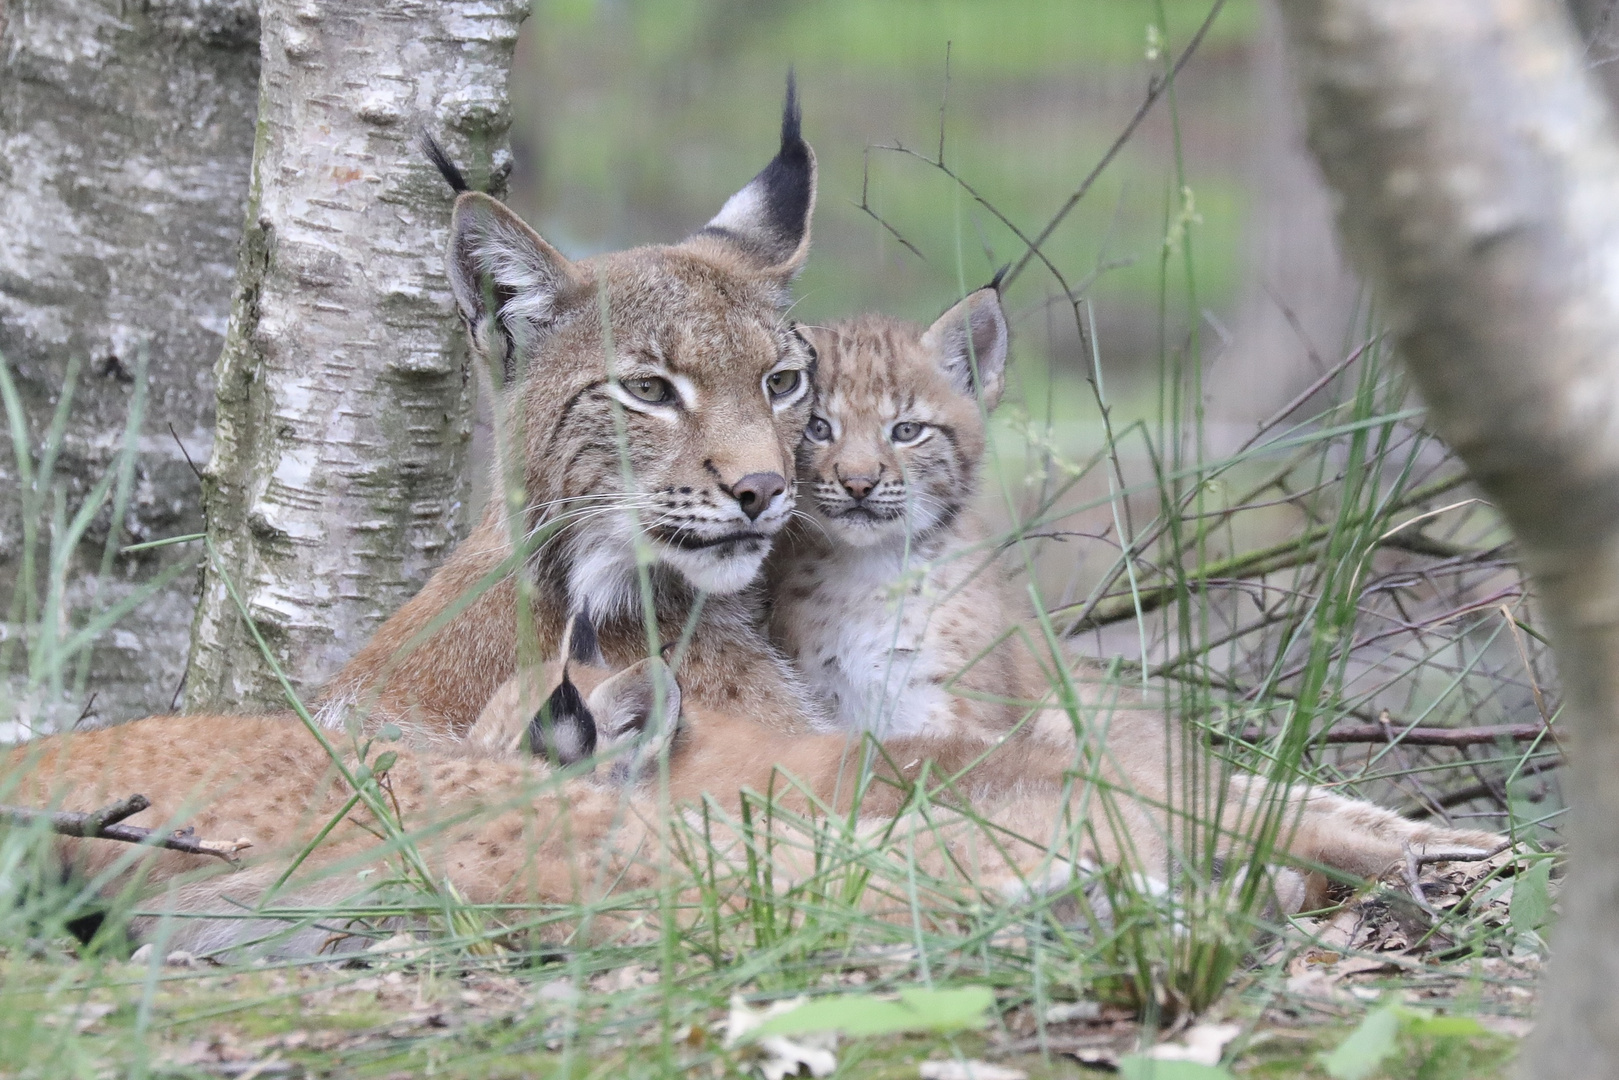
x,y
1374,988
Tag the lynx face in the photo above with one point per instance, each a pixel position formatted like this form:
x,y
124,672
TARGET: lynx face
x,y
893,446
659,390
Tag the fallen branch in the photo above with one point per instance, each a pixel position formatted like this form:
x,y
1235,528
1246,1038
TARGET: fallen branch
x,y
1420,736
1235,569
1485,788
104,824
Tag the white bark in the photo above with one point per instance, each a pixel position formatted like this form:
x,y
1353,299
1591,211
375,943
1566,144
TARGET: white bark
x,y
126,134
1478,175
338,475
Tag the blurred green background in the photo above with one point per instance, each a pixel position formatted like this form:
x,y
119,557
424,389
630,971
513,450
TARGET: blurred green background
x,y
637,119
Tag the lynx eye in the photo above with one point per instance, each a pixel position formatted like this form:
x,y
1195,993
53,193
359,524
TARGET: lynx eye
x,y
651,389
906,431
818,430
783,382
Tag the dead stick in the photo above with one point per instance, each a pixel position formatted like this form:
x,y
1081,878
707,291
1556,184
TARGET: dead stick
x,y
104,824
1422,736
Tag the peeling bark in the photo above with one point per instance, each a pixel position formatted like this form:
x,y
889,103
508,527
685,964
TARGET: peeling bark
x,y
126,135
338,475
1478,177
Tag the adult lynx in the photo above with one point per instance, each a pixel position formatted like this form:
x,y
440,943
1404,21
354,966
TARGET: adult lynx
x,y
670,424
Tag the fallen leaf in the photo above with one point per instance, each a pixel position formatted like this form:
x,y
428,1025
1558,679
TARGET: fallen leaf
x,y
968,1070
1069,1011
777,1056
1202,1044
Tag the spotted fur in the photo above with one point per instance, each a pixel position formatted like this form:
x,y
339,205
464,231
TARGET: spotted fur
x,y
886,593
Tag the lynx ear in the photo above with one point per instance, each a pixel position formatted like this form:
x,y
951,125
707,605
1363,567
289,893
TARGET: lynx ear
x,y
507,280
767,224
970,340
563,731
641,700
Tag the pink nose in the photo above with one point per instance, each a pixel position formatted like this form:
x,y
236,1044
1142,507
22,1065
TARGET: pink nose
x,y
858,487
754,491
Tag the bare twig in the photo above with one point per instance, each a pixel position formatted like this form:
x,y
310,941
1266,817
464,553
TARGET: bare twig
x,y
185,453
1114,607
1422,736
1428,858
1480,790
1306,394
865,206
1154,91
104,824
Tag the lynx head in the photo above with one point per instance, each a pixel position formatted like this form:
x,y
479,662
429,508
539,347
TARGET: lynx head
x,y
657,391
894,444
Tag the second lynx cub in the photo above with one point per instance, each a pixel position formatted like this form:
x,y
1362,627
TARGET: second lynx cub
x,y
885,592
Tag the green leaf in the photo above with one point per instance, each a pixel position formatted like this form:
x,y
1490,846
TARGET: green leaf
x,y
1142,1067
1366,1047
384,762
1531,897
1442,1027
390,733
862,1014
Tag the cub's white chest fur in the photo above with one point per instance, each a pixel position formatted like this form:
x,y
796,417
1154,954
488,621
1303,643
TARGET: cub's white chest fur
x,y
862,624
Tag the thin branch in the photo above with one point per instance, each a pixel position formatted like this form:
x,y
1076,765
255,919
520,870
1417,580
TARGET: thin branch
x,y
1479,790
1115,607
1155,90
865,207
104,824
1421,736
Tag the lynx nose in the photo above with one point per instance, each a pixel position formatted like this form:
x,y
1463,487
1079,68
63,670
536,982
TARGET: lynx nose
x,y
858,487
754,491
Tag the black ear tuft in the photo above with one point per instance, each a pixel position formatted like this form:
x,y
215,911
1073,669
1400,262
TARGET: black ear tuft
x,y
583,647
1000,276
441,161
769,219
564,731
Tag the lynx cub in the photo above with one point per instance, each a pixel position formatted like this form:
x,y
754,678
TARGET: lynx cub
x,y
885,592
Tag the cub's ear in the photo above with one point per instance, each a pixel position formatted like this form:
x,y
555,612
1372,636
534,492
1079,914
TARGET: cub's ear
x,y
766,225
564,730
969,344
507,280
641,704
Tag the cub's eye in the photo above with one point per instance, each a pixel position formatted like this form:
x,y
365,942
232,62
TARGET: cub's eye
x,y
906,431
783,382
818,430
652,390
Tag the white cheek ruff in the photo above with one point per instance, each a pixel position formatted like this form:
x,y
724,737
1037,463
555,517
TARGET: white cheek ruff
x,y
602,577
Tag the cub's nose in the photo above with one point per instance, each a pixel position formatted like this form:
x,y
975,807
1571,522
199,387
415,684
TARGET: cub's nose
x,y
754,491
858,487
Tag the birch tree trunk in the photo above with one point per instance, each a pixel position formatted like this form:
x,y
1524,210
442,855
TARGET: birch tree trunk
x,y
126,134
338,474
1478,175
